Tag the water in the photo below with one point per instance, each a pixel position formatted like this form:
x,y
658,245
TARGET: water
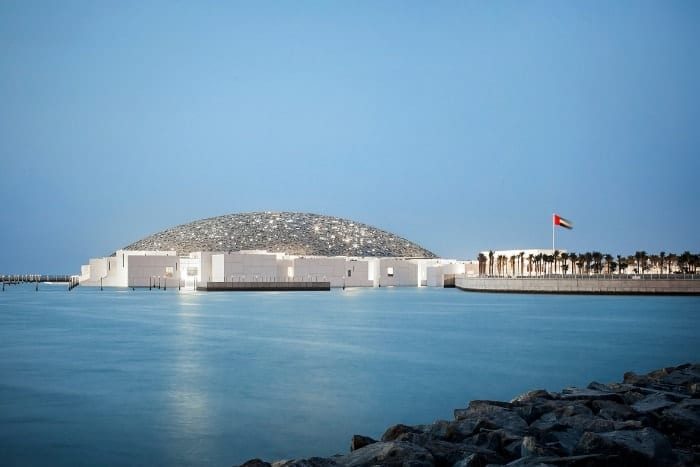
x,y
152,378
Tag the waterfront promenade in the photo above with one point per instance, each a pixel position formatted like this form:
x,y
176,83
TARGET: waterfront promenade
x,y
609,284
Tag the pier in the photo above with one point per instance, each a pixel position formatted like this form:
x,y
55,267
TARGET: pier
x,y
265,286
15,279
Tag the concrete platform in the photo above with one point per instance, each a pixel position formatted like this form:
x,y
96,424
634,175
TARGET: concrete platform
x,y
265,286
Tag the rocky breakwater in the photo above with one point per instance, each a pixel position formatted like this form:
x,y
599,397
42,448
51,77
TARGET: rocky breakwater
x,y
651,419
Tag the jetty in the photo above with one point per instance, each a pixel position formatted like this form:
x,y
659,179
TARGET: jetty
x,y
36,279
275,286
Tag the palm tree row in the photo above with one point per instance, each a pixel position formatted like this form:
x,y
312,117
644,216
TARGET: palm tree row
x,y
586,263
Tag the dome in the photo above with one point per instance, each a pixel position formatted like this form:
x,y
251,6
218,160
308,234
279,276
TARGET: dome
x,y
288,232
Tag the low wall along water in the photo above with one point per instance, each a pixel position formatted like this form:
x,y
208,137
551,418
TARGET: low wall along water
x,y
582,285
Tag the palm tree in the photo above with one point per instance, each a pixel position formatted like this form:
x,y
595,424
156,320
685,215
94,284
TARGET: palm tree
x,y
573,257
581,262
490,262
530,260
564,258
589,258
499,264
522,262
623,264
555,259
482,264
684,261
597,257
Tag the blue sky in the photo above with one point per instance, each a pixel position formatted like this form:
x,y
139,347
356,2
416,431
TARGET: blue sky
x,y
459,125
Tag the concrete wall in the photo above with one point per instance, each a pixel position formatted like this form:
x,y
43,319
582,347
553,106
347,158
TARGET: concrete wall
x,y
317,268
437,272
580,286
234,267
359,272
163,270
405,273
113,271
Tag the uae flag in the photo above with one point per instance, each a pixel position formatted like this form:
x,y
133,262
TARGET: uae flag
x,y
561,222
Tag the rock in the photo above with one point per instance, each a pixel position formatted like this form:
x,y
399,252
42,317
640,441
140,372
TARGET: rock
x,y
694,390
628,425
630,397
611,410
392,453
634,447
532,396
682,377
571,394
481,403
446,453
359,441
586,460
637,380
310,462
494,417
472,460
650,419
395,431
682,422
547,422
563,441
652,403
529,447
255,463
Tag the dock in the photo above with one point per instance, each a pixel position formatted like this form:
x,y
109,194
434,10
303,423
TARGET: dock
x,y
265,286
36,279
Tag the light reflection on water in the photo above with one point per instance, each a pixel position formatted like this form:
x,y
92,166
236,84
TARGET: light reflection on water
x,y
124,377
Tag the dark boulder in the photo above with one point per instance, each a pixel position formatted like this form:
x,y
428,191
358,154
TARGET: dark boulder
x,y
359,441
393,453
310,462
255,463
494,417
653,403
682,422
631,447
532,396
572,394
397,430
610,410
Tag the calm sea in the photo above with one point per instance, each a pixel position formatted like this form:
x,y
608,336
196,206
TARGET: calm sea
x,y
125,377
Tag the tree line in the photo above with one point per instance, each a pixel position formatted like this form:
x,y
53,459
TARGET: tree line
x,y
593,262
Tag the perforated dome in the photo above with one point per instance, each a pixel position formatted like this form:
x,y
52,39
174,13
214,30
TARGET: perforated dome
x,y
288,232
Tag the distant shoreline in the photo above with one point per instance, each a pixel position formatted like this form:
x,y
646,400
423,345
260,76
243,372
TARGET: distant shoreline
x,y
581,285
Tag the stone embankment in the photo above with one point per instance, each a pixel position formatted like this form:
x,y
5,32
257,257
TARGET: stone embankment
x,y
609,285
651,419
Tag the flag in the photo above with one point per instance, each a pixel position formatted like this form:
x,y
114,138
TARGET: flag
x,y
561,222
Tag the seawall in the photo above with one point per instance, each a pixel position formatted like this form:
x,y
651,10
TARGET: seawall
x,y
581,285
646,420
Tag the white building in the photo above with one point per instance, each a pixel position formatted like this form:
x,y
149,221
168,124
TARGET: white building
x,y
166,269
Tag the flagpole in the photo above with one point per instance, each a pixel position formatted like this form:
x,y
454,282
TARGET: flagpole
x,y
553,233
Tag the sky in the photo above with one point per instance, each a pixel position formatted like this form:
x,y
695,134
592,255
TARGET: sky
x,y
461,126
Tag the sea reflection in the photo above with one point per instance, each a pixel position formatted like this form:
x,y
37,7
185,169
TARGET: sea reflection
x,y
188,414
